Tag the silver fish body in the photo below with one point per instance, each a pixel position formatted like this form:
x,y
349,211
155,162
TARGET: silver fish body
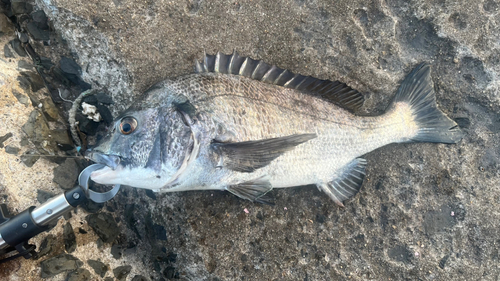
x,y
224,128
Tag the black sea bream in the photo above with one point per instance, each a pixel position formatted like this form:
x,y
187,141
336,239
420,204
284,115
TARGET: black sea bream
x,y
244,126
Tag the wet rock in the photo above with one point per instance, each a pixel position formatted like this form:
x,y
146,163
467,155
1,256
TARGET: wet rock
x,y
30,80
122,272
58,264
80,274
48,243
36,32
42,196
4,138
23,99
7,52
12,149
29,159
66,174
20,7
139,278
99,267
16,46
116,251
104,225
6,27
69,238
40,19
24,64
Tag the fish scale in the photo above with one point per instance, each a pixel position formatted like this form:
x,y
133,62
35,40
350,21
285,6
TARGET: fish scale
x,y
247,127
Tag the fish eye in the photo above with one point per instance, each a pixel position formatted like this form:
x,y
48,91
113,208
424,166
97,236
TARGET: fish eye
x,y
128,125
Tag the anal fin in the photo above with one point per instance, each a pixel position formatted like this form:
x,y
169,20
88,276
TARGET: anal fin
x,y
347,184
254,190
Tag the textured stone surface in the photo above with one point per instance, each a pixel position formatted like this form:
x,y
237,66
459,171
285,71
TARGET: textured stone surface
x,y
425,212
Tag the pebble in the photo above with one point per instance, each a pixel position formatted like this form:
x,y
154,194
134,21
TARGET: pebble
x,y
69,238
48,243
104,225
23,99
139,278
61,263
4,138
99,267
40,19
42,196
7,52
29,160
37,33
16,46
66,174
121,272
80,274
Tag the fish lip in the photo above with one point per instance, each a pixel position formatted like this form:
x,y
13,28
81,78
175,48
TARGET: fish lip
x,y
109,160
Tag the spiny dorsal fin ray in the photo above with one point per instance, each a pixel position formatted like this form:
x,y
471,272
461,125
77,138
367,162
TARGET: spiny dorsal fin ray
x,y
249,156
348,183
333,91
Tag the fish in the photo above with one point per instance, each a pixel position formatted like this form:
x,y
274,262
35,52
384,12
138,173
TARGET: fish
x,y
247,127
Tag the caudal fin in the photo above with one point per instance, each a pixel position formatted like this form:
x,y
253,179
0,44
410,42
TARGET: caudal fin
x,y
433,125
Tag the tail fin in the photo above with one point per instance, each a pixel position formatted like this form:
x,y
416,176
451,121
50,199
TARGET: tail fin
x,y
417,90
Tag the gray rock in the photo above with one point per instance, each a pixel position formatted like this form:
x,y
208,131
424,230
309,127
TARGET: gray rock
x,y
6,27
24,64
116,251
122,272
109,279
7,52
40,19
99,267
139,278
69,238
30,80
47,245
23,99
36,32
80,274
104,225
4,138
29,159
12,149
58,264
19,7
42,196
66,174
16,46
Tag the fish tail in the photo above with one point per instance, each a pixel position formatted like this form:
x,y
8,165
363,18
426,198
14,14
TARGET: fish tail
x,y
431,124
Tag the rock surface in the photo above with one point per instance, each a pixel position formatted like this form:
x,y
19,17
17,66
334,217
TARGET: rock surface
x,y
425,212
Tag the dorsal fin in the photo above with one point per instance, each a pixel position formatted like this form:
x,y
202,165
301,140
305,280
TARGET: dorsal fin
x,y
333,91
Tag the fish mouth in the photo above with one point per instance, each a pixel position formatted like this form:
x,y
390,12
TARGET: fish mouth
x,y
111,161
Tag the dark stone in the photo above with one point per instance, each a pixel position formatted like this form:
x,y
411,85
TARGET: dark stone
x,y
169,272
109,279
62,139
116,251
46,63
7,52
139,278
90,99
37,33
69,66
48,243
160,232
91,206
6,26
29,79
150,194
400,253
80,274
121,272
23,99
106,115
443,261
40,19
28,159
82,231
99,267
4,138
462,122
86,126
69,238
42,196
61,263
19,7
66,174
24,64
104,226
16,46
103,98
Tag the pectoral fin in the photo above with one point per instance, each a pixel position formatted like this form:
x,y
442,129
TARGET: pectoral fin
x,y
249,156
254,190
347,184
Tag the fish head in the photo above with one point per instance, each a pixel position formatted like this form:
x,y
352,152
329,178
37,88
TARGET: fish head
x,y
143,148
